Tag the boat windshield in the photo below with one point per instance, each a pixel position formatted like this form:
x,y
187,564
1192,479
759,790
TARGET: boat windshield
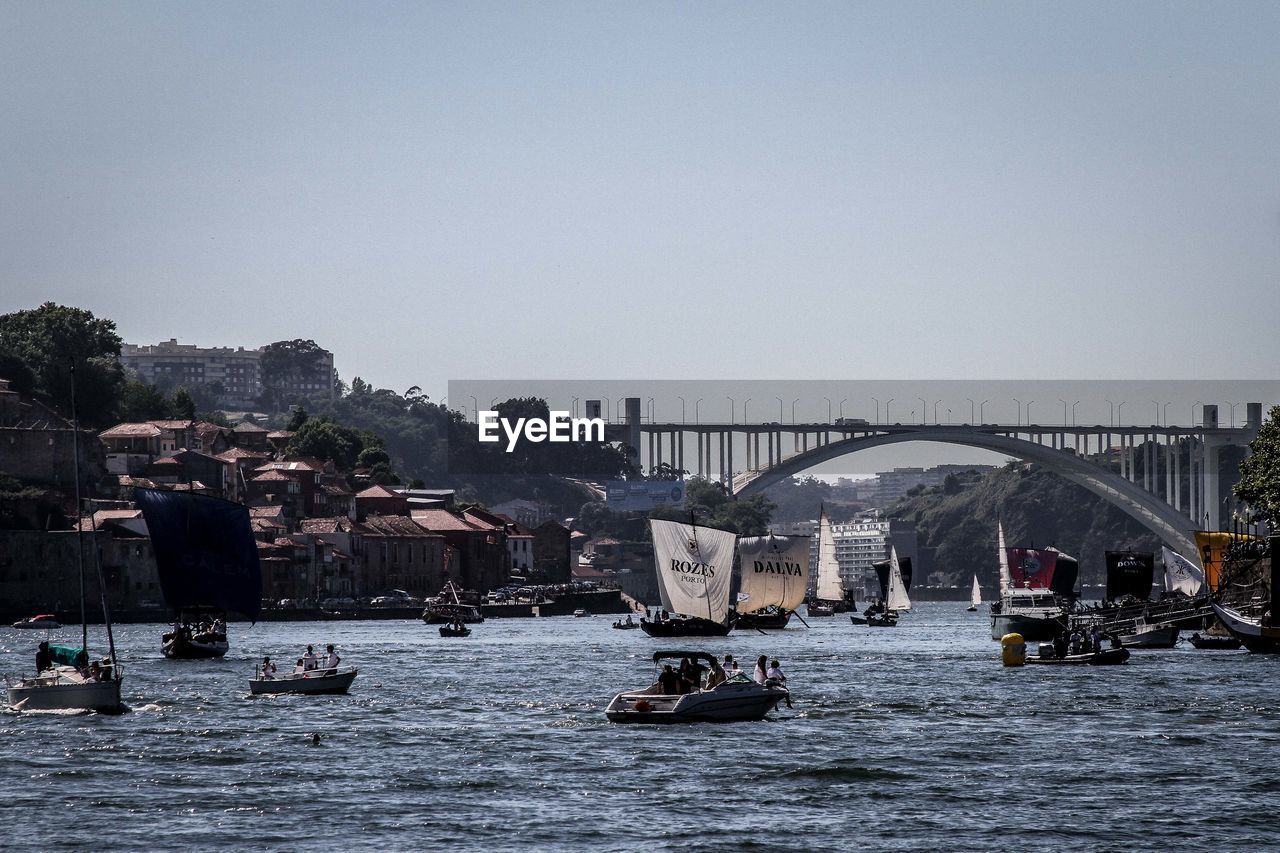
x,y
738,678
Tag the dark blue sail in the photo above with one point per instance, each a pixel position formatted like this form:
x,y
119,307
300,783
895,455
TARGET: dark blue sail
x,y
205,551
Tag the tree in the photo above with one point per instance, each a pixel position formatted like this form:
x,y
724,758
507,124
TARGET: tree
x,y
1259,484
141,401
52,340
183,406
286,363
297,418
322,438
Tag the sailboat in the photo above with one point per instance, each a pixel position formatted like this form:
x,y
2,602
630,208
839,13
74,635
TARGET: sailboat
x,y
65,679
695,568
975,597
1247,598
895,583
773,577
829,593
207,560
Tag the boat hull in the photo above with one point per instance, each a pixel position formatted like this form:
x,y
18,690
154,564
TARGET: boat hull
x,y
1030,627
312,683
1106,657
727,703
58,694
1256,637
37,625
817,611
193,649
446,631
1164,637
775,621
685,628
1210,642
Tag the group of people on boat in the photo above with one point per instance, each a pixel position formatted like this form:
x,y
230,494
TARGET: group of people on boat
x,y
1080,642
103,670
692,676
204,631
325,664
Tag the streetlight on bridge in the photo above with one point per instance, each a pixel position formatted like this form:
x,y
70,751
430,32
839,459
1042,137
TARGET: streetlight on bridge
x,y
682,417
886,408
924,409
744,409
1193,411
697,419
828,399
1019,404
971,409
608,409
573,405
842,402
733,408
1120,411
935,410
779,399
878,409
793,409
1165,410
650,406
1233,414
981,408
475,406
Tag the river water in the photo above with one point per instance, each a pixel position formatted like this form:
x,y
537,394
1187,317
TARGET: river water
x,y
906,738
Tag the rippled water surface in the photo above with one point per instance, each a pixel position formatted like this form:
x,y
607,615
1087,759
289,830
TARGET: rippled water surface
x,y
904,738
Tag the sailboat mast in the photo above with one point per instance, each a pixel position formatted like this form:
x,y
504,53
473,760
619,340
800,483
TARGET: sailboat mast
x,y
75,461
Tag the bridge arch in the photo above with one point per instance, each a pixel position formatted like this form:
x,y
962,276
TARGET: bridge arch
x,y
1171,526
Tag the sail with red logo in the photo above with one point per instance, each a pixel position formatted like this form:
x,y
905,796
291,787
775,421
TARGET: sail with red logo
x,y
1032,568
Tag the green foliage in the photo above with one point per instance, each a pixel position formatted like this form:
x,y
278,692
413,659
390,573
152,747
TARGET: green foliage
x,y
666,471
297,418
324,438
282,364
1259,484
798,499
183,406
52,340
708,502
141,401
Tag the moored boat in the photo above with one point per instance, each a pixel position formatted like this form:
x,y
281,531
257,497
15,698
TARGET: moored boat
x,y
1246,597
1105,657
736,699
316,681
65,688
449,606
454,631
1150,637
694,564
1211,641
626,624
828,594
1036,591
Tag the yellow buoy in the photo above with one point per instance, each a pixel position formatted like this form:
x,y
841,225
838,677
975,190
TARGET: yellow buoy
x,y
1013,650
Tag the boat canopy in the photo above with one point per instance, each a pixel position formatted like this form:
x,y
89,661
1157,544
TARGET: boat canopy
x,y
695,567
69,655
691,655
205,551
775,572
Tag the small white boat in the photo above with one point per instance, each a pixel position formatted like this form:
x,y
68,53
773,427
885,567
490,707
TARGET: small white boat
x,y
64,689
46,621
579,613
313,681
738,698
1147,636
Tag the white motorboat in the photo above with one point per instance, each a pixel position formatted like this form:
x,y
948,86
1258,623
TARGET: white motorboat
x,y
739,698
579,613
314,681
44,621
63,688
1147,636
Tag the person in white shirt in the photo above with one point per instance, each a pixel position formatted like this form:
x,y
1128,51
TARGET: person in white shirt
x,y
731,667
776,677
331,659
759,675
299,667
268,668
309,660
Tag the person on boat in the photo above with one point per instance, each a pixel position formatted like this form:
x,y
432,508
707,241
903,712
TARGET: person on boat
x,y
108,669
331,659
44,657
268,668
731,667
95,671
1076,642
310,660
300,667
669,681
776,677
716,675
1060,646
1115,641
1095,639
761,675
689,680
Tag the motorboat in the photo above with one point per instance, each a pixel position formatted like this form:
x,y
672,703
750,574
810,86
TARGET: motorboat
x,y
819,609
1150,637
206,640
448,606
315,681
1211,641
1035,591
579,613
736,699
44,621
455,631
1105,657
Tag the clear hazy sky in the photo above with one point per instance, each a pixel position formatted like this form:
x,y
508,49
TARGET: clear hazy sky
x,y
659,190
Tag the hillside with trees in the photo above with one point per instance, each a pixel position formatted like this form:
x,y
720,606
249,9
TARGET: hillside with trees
x,y
957,520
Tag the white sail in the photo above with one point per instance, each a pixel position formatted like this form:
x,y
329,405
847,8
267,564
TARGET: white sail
x,y
830,588
1180,574
975,598
695,565
898,598
1006,579
774,571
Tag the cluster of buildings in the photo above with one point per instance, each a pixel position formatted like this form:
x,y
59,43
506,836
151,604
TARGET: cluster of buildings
x,y
860,544
318,537
237,371
888,486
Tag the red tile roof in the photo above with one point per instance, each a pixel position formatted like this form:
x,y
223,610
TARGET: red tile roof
x,y
173,424
377,492
269,477
393,525
442,519
130,431
247,426
237,453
